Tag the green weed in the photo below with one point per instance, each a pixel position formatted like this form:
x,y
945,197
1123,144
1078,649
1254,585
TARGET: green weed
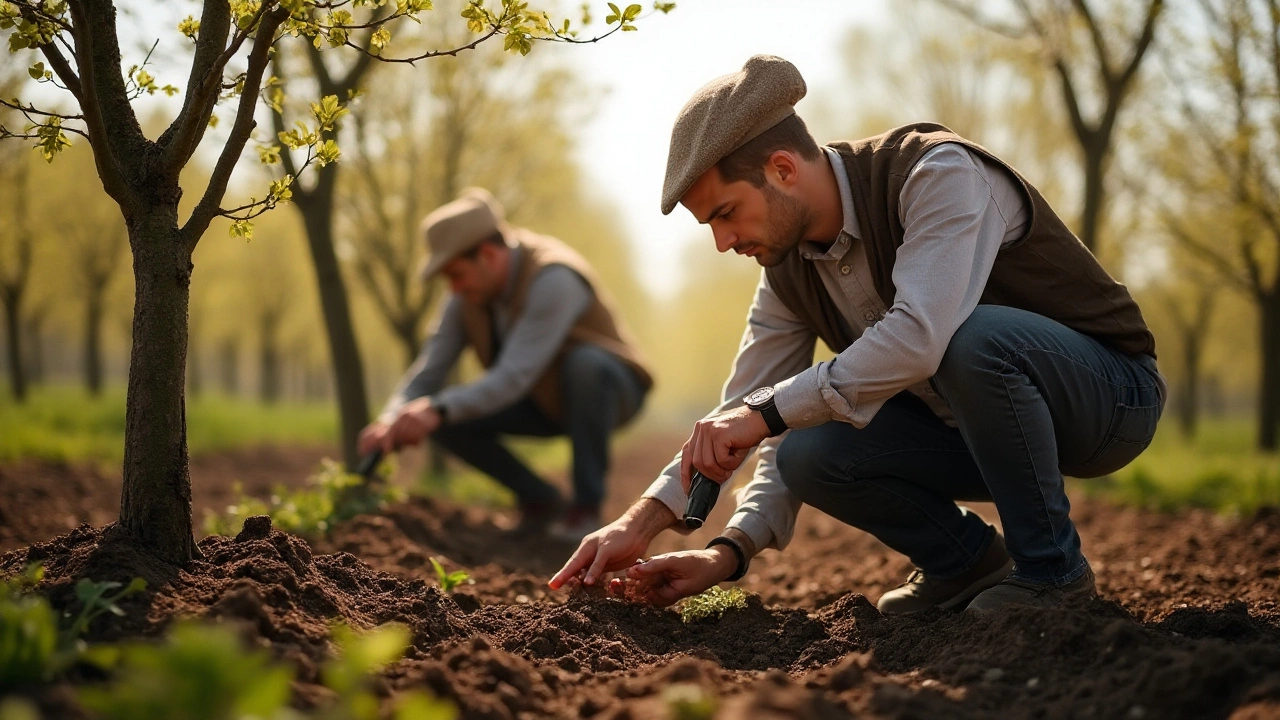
x,y
687,701
28,633
712,603
448,580
332,495
204,672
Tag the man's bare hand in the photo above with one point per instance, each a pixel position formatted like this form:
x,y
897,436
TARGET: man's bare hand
x,y
372,437
720,443
415,422
664,579
615,546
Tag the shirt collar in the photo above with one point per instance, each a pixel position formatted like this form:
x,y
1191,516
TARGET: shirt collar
x,y
849,230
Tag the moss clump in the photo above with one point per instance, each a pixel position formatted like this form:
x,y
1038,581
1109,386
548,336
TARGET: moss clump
x,y
712,603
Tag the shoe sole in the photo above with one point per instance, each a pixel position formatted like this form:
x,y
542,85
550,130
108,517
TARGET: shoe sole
x,y
977,586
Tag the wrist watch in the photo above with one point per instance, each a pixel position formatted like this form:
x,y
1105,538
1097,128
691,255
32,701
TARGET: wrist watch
x,y
761,400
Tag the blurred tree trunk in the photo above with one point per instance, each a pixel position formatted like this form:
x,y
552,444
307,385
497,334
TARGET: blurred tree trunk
x,y
14,278
316,204
1269,397
13,341
269,331
33,332
93,344
1098,79
1193,330
195,370
229,366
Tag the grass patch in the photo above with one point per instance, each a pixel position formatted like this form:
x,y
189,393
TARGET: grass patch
x,y
65,423
1219,470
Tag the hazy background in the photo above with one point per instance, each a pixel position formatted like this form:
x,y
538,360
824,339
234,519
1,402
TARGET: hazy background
x,y
573,140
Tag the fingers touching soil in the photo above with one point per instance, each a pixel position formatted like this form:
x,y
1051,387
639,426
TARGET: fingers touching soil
x,y
1187,624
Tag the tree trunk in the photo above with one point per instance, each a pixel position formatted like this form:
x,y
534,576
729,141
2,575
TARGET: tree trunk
x,y
1091,213
269,325
316,207
93,343
33,370
13,339
155,504
1269,397
1189,411
229,360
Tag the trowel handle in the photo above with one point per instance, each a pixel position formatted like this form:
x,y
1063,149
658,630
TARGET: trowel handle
x,y
703,493
368,464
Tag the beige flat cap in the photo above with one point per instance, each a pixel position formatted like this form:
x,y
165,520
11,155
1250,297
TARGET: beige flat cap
x,y
487,197
455,228
723,115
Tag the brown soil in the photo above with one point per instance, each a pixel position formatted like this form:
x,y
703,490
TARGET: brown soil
x,y
1187,625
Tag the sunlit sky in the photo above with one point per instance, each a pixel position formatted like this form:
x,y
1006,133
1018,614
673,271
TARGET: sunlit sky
x,y
653,72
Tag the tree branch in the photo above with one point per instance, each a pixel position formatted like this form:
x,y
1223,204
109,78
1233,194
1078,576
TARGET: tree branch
x,y
208,207
1099,43
183,135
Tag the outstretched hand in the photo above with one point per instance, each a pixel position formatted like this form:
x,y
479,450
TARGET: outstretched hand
x,y
664,579
615,546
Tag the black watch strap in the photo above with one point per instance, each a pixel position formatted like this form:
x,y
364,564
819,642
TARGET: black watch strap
x,y
773,418
737,550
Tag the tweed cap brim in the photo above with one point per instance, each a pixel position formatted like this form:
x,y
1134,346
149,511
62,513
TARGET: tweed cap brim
x,y
724,115
455,228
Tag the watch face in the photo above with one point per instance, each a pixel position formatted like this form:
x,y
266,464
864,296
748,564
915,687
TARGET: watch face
x,y
758,397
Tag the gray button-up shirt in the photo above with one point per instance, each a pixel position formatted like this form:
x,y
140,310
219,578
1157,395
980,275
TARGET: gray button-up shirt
x,y
958,210
557,298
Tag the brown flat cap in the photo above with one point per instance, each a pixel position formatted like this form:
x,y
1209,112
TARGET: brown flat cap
x,y
455,228
723,115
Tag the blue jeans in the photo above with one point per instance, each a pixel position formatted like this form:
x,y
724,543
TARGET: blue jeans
x,y
1033,399
600,394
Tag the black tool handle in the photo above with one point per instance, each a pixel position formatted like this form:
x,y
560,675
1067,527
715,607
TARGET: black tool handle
x,y
368,464
703,493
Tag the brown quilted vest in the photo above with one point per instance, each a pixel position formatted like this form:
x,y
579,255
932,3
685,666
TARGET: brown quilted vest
x,y
598,325
1048,271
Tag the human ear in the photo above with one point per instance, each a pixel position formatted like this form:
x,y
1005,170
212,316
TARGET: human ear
x,y
782,167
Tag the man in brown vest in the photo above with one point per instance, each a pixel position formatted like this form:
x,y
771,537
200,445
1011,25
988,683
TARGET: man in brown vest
x,y
558,362
982,353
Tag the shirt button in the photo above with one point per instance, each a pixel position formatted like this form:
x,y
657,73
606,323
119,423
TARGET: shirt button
x,y
808,256
870,317
844,269
843,240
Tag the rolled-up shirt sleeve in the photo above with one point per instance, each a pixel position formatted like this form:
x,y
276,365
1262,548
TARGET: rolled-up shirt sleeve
x,y
954,229
557,298
429,371
775,345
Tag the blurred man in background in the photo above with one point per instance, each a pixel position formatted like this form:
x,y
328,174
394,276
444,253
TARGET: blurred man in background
x,y
557,359
982,353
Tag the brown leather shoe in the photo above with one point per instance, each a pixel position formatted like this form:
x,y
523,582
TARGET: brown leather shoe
x,y
1016,591
921,592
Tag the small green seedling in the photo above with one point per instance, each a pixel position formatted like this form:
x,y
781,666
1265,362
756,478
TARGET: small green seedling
x,y
95,600
448,580
199,672
28,633
712,603
687,701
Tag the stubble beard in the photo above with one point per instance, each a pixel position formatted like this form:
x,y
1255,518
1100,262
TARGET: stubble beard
x,y
788,223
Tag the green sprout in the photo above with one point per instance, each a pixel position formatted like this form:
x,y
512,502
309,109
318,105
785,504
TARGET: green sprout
x,y
712,603
688,701
448,580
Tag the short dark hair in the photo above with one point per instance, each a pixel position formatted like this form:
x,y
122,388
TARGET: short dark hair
x,y
747,162
497,238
